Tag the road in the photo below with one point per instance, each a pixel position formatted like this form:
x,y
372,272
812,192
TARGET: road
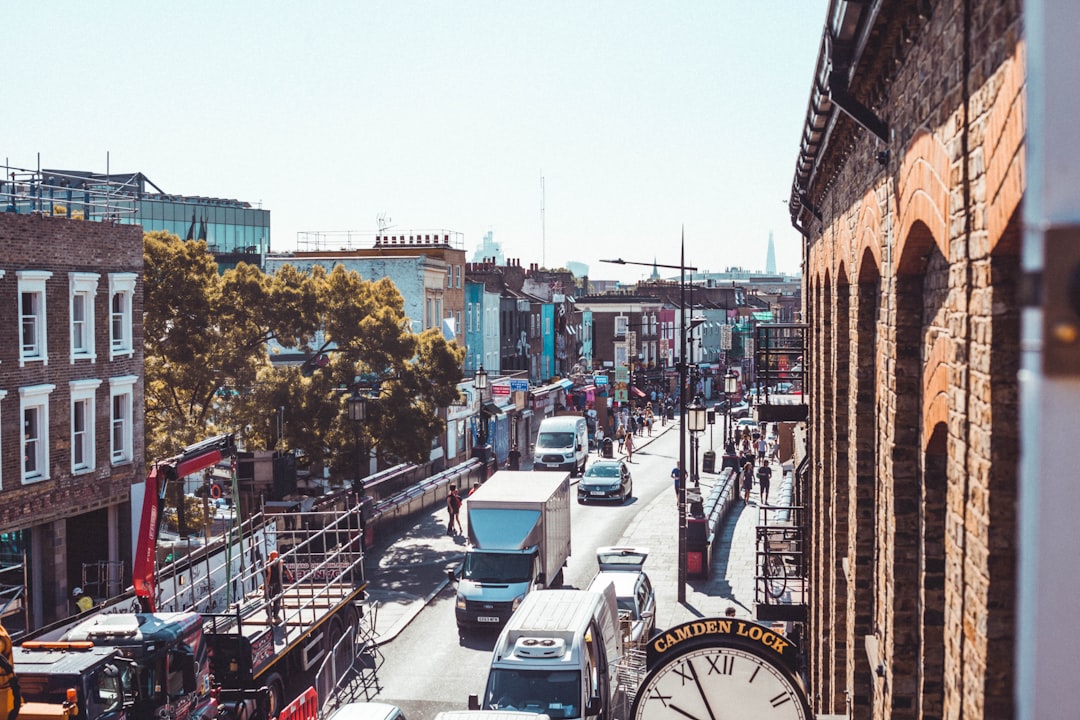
x,y
428,668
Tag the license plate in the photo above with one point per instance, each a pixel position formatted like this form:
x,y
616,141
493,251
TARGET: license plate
x,y
596,493
487,618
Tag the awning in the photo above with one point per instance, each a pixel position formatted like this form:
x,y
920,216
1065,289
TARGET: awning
x,y
491,408
633,389
566,384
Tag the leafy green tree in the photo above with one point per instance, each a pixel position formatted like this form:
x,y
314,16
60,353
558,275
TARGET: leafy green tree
x,y
208,367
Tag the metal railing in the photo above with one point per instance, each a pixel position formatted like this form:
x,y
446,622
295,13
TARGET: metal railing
x,y
54,194
780,563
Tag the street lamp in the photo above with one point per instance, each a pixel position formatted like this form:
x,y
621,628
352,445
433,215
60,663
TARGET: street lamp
x,y
731,387
480,382
682,267
695,420
357,409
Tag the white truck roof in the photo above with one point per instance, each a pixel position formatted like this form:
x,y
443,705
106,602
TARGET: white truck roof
x,y
520,486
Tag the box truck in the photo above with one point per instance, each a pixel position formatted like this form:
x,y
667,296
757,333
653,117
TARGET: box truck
x,y
519,537
557,656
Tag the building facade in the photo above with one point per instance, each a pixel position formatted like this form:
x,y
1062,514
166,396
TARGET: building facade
x,y
71,409
908,190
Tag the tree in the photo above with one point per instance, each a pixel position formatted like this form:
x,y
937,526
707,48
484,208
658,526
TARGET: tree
x,y
208,366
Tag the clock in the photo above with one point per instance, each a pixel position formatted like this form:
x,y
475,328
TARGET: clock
x,y
720,676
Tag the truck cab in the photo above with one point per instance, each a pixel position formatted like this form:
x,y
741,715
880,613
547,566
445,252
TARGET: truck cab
x,y
73,680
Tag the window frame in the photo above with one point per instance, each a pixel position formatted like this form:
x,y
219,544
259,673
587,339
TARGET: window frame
x,y
85,285
36,398
122,284
119,389
34,282
84,391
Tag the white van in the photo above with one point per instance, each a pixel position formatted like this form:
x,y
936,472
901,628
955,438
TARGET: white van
x,y
557,656
562,444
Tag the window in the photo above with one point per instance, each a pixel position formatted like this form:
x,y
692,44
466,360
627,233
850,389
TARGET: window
x,y
621,322
83,288
449,276
120,392
32,326
83,432
459,318
121,294
459,274
34,410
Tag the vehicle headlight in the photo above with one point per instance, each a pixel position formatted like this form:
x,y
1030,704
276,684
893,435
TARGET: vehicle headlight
x,y
460,601
517,602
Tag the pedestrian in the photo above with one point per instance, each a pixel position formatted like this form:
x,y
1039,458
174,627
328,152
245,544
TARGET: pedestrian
x,y
475,487
678,477
629,445
620,436
649,418
513,458
762,448
82,601
453,508
599,439
730,612
747,481
764,477
273,584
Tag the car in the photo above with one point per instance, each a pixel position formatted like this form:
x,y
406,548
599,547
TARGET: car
x,y
750,423
739,410
621,567
605,480
367,711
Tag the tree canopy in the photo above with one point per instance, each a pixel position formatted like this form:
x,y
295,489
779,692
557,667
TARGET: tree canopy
x,y
208,341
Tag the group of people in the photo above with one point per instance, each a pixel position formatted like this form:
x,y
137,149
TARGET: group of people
x,y
753,446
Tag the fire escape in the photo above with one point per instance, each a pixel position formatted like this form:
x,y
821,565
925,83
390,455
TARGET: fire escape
x,y
780,592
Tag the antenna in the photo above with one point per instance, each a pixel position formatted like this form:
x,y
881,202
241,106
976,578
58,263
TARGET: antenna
x,y
383,221
543,231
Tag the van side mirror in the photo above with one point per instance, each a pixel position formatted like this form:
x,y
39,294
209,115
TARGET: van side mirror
x,y
451,575
474,701
593,706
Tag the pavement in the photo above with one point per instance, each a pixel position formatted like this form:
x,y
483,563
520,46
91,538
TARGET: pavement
x,y
409,567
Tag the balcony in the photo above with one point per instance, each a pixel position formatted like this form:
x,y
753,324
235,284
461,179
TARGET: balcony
x,y
780,566
780,382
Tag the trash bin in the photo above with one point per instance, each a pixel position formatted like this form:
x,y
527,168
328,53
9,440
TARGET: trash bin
x,y
708,461
607,448
697,547
730,461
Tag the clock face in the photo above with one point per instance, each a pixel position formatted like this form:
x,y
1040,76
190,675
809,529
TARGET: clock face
x,y
719,683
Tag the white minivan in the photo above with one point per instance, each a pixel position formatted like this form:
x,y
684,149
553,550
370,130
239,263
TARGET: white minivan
x,y
562,444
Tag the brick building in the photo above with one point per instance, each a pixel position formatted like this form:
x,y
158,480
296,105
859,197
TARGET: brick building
x,y
71,407
908,190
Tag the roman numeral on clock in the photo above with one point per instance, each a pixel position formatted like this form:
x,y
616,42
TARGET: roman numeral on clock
x,y
721,666
780,699
656,695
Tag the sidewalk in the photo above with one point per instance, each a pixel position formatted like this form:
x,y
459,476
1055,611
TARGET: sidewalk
x,y
409,572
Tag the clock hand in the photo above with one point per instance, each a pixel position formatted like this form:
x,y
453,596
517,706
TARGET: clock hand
x,y
682,712
704,697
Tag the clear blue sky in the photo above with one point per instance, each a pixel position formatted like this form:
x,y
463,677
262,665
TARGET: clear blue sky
x,y
643,117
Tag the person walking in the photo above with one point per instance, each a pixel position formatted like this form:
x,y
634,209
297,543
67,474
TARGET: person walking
x,y
513,458
628,444
678,477
273,585
453,509
747,481
764,478
762,448
620,436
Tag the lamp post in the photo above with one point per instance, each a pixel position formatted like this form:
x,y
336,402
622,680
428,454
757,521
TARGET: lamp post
x,y
695,420
731,386
357,408
480,382
682,268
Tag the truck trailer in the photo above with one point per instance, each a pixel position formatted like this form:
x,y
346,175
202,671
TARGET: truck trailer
x,y
519,536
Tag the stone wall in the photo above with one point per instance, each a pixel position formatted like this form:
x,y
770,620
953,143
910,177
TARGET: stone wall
x,y
911,276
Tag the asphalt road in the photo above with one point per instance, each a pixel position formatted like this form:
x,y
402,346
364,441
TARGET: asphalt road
x,y
428,668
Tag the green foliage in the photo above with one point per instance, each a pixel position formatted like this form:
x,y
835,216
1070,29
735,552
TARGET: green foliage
x,y
208,368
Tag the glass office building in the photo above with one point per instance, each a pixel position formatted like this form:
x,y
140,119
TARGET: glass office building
x,y
234,231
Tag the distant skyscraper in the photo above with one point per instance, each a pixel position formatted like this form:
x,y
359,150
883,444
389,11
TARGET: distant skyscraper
x,y
489,249
770,259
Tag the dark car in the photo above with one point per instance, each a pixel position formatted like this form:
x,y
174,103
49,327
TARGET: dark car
x,y
605,480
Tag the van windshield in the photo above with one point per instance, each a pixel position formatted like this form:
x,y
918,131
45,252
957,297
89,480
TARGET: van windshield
x,y
555,440
555,693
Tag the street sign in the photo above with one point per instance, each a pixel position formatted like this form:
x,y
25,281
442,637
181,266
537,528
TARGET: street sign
x,y
519,386
600,379
500,389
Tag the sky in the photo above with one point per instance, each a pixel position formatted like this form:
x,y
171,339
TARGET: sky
x,y
645,120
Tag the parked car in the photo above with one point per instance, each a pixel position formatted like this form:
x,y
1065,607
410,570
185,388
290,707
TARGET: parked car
x,y
605,480
367,711
739,410
622,568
